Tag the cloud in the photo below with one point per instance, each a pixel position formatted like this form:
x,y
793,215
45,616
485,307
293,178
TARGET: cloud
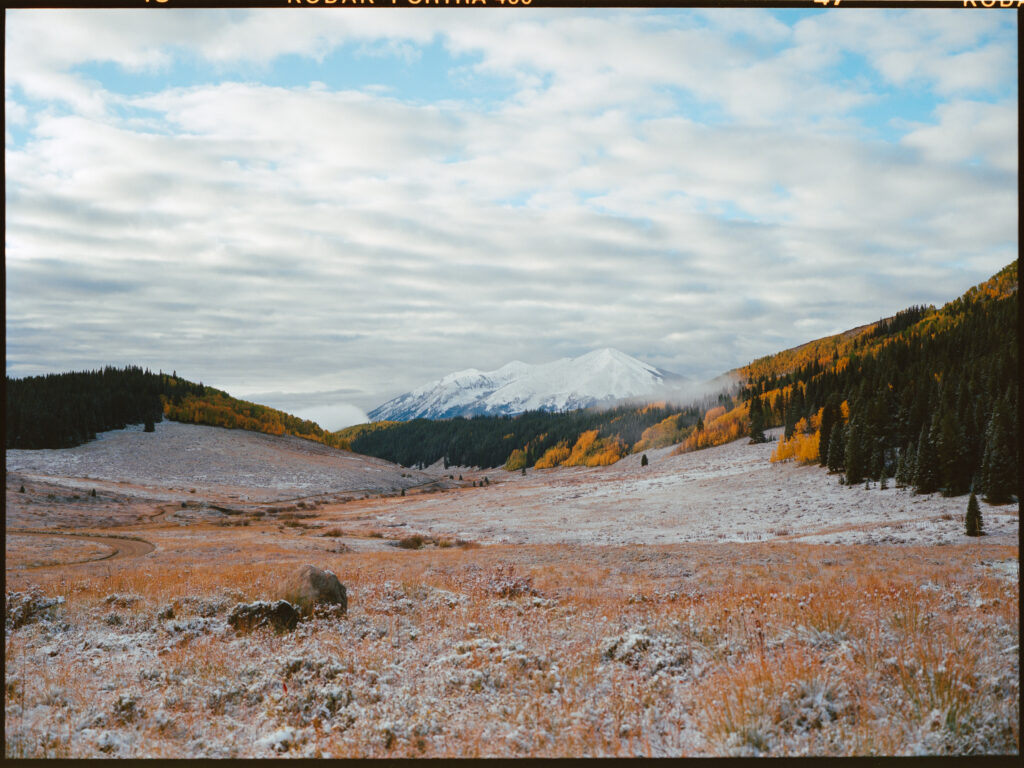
x,y
969,131
696,187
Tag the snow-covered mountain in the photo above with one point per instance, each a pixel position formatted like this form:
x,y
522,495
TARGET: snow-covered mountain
x,y
602,376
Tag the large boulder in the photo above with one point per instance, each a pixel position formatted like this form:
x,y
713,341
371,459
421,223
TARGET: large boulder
x,y
281,616
310,587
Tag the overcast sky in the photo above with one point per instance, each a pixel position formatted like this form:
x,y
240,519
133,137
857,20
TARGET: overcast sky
x,y
323,208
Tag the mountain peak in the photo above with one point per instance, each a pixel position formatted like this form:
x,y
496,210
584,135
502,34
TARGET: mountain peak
x,y
603,375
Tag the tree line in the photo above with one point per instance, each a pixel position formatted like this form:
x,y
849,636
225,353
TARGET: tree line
x,y
63,410
537,438
930,401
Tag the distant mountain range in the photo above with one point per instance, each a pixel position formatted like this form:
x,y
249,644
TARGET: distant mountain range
x,y
602,376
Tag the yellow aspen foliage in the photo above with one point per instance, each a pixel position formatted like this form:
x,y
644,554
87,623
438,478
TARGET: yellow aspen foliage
x,y
713,414
606,451
816,419
589,451
516,460
665,432
802,446
807,447
579,451
553,456
217,409
844,409
774,395
720,427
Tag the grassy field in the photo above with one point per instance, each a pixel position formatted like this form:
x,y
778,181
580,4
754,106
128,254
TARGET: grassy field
x,y
696,649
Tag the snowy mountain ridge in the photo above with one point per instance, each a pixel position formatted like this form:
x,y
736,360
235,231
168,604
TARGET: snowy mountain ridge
x,y
604,375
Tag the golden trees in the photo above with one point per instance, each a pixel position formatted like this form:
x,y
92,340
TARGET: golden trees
x,y
720,427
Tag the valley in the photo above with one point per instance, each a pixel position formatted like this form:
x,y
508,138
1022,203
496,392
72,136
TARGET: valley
x,y
567,611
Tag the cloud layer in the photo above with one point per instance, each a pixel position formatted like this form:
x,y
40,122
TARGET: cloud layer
x,y
336,207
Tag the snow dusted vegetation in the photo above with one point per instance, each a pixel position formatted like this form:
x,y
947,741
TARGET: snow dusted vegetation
x,y
604,375
710,603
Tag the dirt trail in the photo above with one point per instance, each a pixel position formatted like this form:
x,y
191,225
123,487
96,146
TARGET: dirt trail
x,y
123,547
872,526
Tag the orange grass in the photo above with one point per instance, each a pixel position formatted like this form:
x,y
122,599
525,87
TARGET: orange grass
x,y
792,649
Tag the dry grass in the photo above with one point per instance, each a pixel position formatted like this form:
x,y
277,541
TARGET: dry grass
x,y
779,649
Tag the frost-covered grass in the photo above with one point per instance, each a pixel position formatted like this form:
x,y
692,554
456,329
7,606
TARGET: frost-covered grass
x,y
781,648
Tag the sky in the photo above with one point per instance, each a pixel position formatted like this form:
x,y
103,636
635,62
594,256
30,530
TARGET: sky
x,y
321,208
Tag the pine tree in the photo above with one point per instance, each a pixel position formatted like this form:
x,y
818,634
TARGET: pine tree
x,y
973,519
999,465
926,476
837,449
790,421
877,464
643,460
756,421
854,458
830,417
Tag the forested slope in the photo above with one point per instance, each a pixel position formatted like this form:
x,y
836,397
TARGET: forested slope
x,y
928,397
67,409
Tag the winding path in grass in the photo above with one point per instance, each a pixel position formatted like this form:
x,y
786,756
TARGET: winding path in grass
x,y
122,547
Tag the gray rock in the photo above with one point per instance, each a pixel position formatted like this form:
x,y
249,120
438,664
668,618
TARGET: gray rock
x,y
281,616
310,587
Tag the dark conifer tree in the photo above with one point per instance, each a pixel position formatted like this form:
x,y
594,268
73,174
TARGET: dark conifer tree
x,y
854,460
756,421
643,460
926,475
973,521
837,448
830,416
999,465
877,463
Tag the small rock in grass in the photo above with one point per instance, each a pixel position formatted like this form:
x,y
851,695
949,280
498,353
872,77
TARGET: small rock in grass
x,y
282,616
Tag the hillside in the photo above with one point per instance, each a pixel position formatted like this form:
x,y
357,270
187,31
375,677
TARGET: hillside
x,y
193,463
68,409
927,397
